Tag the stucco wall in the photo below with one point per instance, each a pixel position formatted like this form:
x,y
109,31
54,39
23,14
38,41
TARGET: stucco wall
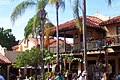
x,y
25,45
11,55
112,29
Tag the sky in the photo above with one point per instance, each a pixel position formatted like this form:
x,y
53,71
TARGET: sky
x,y
92,6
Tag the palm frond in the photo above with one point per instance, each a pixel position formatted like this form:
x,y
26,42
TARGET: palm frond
x,y
36,25
76,10
62,4
78,59
109,2
41,4
20,9
28,28
33,23
53,1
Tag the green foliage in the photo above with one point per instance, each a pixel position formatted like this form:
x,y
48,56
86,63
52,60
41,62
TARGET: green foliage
x,y
29,57
67,57
7,39
47,74
71,58
28,28
49,57
32,57
41,4
20,9
61,3
31,25
78,59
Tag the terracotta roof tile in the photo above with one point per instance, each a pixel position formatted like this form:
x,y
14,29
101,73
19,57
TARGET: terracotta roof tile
x,y
35,42
91,21
4,60
111,21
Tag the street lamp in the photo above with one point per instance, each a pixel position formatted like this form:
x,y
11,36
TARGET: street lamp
x,y
42,15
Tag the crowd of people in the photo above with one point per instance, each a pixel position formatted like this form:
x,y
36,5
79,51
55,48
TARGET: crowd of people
x,y
68,76
80,76
114,77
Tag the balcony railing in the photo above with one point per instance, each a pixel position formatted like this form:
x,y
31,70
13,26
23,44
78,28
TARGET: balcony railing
x,y
115,40
91,45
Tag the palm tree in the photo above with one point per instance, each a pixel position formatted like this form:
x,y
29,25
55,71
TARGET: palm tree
x,y
21,8
31,28
58,3
47,31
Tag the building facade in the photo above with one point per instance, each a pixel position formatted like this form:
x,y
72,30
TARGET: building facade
x,y
102,42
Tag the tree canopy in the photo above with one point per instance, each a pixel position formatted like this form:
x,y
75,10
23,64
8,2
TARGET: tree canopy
x,y
28,57
32,57
7,39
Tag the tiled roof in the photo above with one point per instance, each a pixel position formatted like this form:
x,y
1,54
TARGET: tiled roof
x,y
91,21
50,42
60,42
4,60
111,21
33,40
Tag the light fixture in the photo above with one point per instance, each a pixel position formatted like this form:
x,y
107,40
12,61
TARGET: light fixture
x,y
76,35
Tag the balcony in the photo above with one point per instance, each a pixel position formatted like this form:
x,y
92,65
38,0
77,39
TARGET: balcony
x,y
114,41
77,47
91,45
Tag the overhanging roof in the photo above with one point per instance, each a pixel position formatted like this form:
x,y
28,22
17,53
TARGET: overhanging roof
x,y
4,60
111,21
91,21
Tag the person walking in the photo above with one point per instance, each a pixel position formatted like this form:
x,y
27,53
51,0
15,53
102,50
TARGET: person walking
x,y
80,76
68,75
59,76
75,76
50,77
1,77
118,76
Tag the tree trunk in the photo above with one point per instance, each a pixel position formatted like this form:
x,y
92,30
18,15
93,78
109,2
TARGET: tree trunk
x,y
57,34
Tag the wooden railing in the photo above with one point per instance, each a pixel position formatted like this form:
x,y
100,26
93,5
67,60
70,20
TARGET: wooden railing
x,y
91,45
115,40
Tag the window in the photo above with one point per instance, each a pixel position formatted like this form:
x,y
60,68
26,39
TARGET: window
x,y
118,33
89,35
118,30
